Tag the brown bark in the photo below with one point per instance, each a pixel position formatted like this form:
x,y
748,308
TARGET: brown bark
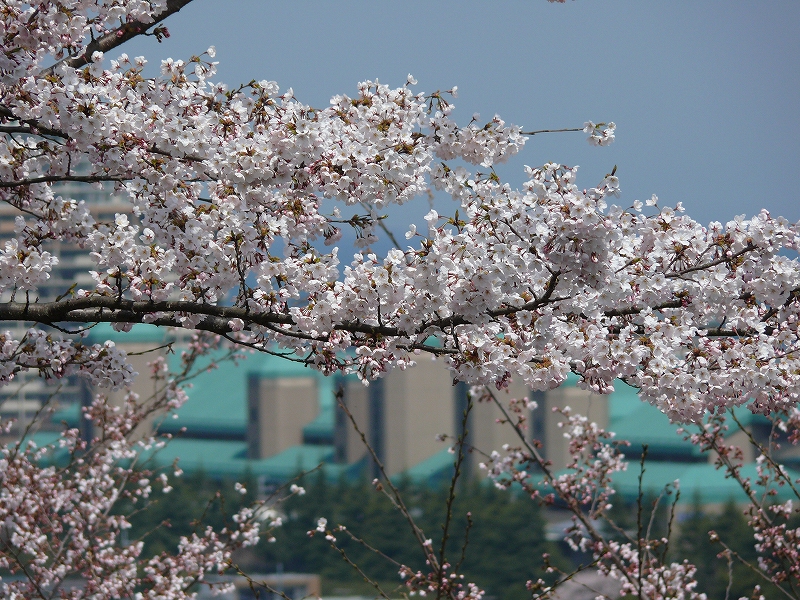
x,y
115,38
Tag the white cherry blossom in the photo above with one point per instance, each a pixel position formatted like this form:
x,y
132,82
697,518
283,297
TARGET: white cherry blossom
x,y
228,225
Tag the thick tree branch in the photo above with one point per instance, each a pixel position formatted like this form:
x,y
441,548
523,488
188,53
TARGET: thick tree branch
x,y
35,127
60,179
627,312
216,319
108,309
115,38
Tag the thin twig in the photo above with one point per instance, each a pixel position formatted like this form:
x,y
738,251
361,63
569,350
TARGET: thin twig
x,y
396,496
451,494
551,131
639,502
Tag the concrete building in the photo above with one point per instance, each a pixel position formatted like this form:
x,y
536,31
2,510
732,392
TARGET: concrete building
x,y
28,393
547,420
278,410
401,416
272,419
405,415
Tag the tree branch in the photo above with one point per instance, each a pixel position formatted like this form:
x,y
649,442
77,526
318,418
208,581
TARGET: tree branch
x,y
111,309
723,260
36,129
551,131
115,38
59,179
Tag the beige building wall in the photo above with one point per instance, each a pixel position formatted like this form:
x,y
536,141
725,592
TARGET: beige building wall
x,y
349,445
489,430
279,408
400,415
412,407
739,439
145,386
28,393
418,405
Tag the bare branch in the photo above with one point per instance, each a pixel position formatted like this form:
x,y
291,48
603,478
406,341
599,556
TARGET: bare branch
x,y
552,131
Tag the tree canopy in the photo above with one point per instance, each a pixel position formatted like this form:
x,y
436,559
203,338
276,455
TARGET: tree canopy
x,y
236,197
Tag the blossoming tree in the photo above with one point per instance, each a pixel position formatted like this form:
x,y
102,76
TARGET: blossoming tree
x,y
238,196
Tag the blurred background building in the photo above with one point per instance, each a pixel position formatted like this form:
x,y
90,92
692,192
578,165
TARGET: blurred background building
x,y
270,419
28,393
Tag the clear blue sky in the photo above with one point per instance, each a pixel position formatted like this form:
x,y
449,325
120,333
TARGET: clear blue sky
x,y
705,94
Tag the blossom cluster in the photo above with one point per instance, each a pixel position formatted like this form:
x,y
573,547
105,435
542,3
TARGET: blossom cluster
x,y
442,580
585,489
33,33
774,535
54,356
529,283
640,561
235,195
59,526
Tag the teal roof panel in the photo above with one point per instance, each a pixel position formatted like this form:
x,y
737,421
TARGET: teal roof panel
x,y
431,470
697,480
320,430
228,458
139,334
217,402
645,424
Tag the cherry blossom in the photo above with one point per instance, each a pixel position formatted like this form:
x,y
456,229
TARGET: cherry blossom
x,y
228,229
531,283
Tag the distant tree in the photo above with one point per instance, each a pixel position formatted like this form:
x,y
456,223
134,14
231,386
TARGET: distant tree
x,y
720,574
195,502
505,533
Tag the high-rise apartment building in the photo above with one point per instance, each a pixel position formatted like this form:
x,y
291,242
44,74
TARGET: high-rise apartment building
x,y
23,398
404,415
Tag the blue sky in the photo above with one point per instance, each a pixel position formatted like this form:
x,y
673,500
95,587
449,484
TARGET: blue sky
x,y
705,94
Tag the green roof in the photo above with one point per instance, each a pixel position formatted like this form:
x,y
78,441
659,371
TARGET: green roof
x,y
431,470
45,438
645,424
320,430
217,405
697,480
139,334
639,422
293,460
69,414
226,458
623,401
217,412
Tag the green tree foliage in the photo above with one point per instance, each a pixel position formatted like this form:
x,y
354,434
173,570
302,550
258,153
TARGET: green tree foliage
x,y
505,541
195,502
714,573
